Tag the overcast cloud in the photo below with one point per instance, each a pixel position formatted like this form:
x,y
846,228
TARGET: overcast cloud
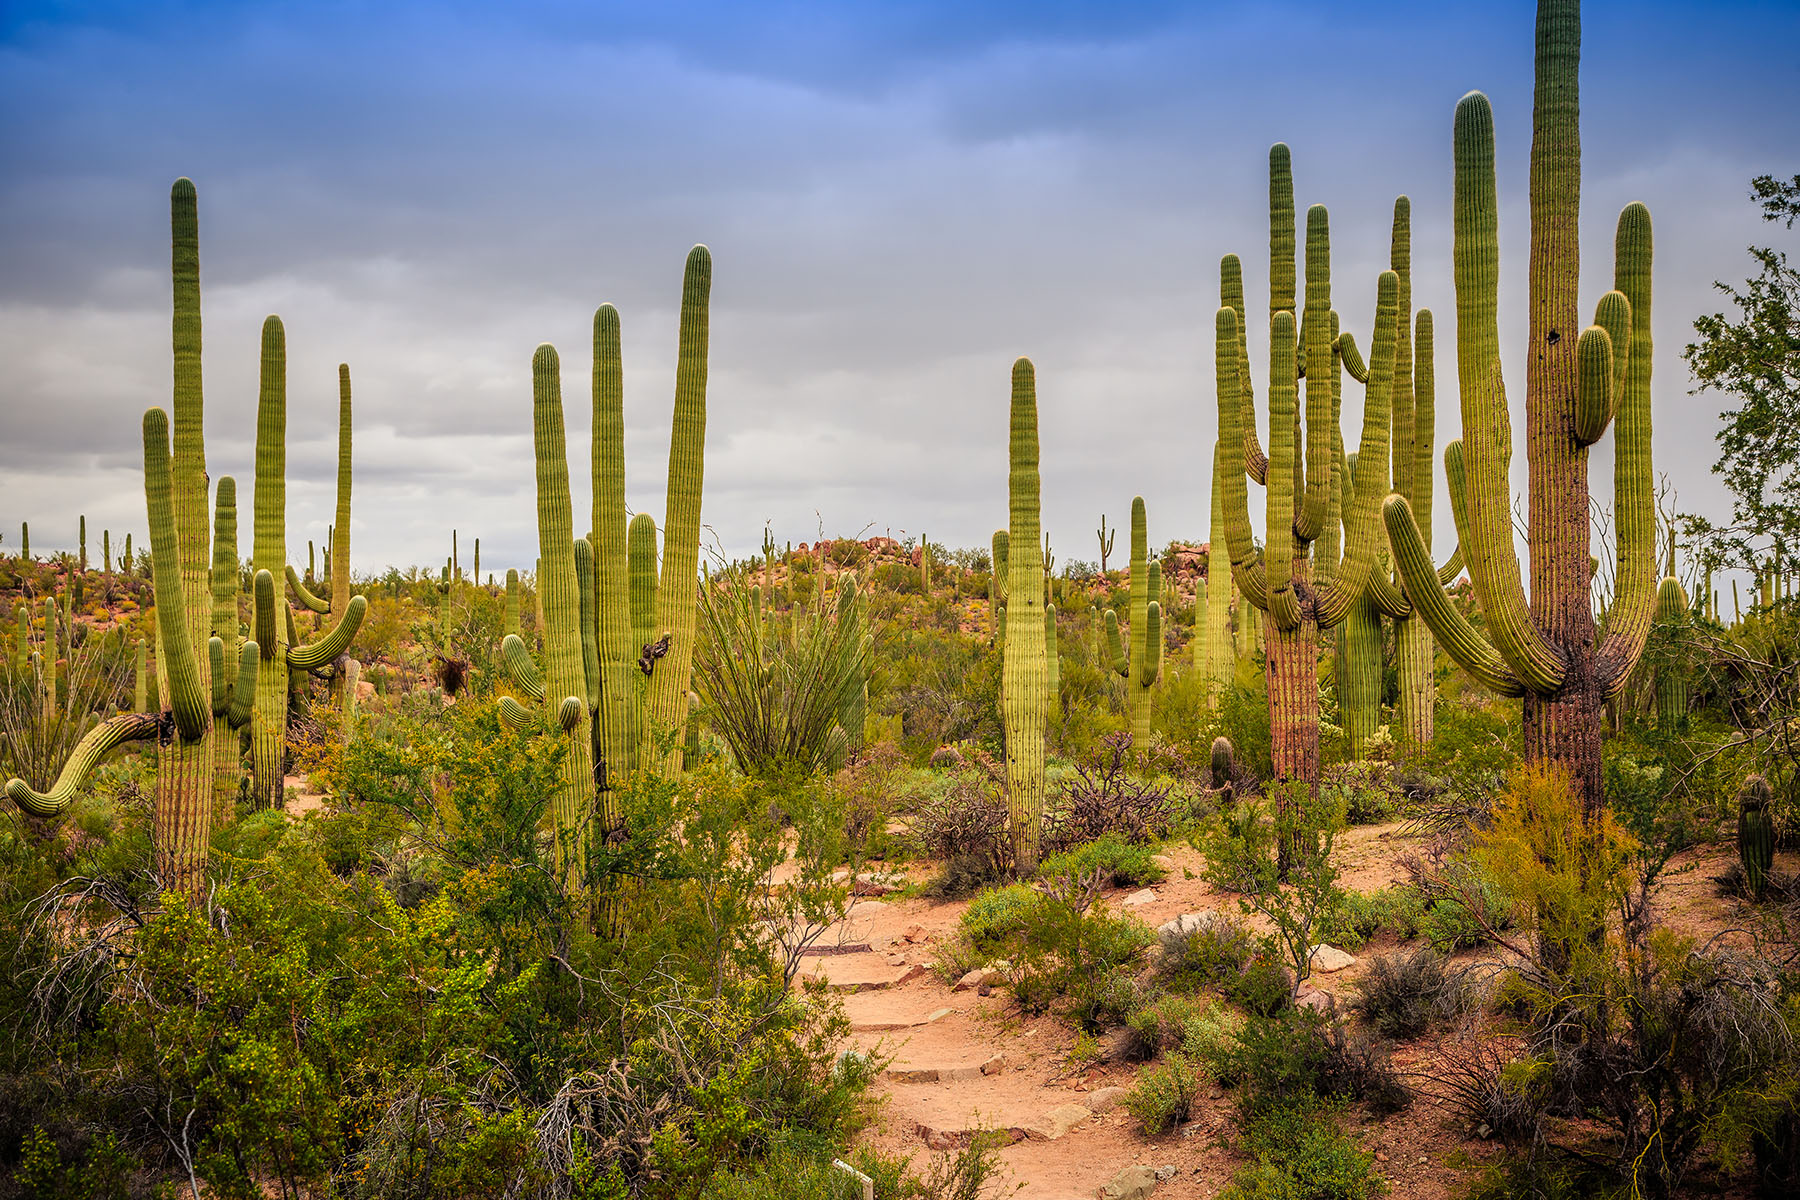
x,y
899,200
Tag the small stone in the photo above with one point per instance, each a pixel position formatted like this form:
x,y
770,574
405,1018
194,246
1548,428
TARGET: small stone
x,y
1326,959
1424,1159
1144,896
1132,1183
1057,1122
938,1015
1313,998
1187,923
994,1065
1104,1099
1166,1171
913,1074
1164,863
914,933
973,979
896,960
1381,1156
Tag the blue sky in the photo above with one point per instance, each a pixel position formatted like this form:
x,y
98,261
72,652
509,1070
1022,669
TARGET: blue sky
x,y
899,198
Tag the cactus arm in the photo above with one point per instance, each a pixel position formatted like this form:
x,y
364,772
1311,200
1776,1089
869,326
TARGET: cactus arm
x,y
516,716
1151,666
1487,428
1593,385
512,600
221,686
1246,568
311,602
1362,529
243,689
1317,468
571,714
1634,500
225,560
1251,460
1115,648
641,548
617,655
590,630
1052,656
188,702
1352,358
337,557
520,669
334,642
262,595
94,746
1460,639
1278,528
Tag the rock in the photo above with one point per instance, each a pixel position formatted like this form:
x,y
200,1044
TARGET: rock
x,y
973,979
1056,1122
896,960
913,1074
1315,999
1145,896
994,1065
1119,1046
1132,1183
1166,1171
914,933
1326,959
938,1015
1104,1099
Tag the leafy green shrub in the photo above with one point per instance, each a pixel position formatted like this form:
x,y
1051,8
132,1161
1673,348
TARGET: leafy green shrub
x,y
1464,908
997,916
1301,1152
1118,862
1207,1038
1297,1054
1264,986
1402,995
1077,961
1163,1095
1360,917
1213,952
1161,1023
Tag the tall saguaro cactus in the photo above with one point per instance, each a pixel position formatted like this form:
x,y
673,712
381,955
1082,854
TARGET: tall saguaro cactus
x,y
1217,655
1025,673
1577,382
1143,665
1302,466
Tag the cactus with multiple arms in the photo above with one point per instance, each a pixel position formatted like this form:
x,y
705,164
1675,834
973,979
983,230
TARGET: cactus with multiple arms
x,y
1024,671
1107,537
1546,648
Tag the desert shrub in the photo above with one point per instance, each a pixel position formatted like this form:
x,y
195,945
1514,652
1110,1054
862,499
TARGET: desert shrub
x,y
1299,1054
1466,909
967,828
1117,862
1163,1095
1302,1153
1103,798
1207,1036
1212,952
1360,917
957,1174
1076,959
1368,788
1161,1023
1264,986
998,916
1403,995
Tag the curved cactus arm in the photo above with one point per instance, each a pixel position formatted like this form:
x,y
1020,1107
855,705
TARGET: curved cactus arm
x,y
1634,482
1278,522
516,716
262,599
96,745
1351,357
1246,567
311,602
1487,427
571,714
520,668
1148,670
1250,460
337,640
221,685
1464,644
1593,384
512,600
243,691
1115,647
1449,571
1362,529
590,625
191,707
1612,316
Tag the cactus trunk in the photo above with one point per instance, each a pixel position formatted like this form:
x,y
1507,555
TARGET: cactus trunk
x,y
1024,676
268,722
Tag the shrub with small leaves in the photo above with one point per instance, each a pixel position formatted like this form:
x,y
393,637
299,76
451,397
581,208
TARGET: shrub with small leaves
x,y
1164,1094
1403,995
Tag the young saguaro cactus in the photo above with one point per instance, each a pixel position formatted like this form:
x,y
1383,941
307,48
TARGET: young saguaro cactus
x,y
1143,665
1672,616
1024,685
1756,833
1546,649
1302,467
1217,655
229,699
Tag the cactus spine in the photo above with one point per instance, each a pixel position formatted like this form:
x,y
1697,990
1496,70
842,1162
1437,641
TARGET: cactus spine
x,y
1024,674
1546,649
1756,833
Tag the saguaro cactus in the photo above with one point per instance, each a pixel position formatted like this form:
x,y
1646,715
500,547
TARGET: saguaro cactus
x,y
1756,833
1107,537
1577,381
1672,615
1024,673
1301,479
1143,665
227,751
1216,654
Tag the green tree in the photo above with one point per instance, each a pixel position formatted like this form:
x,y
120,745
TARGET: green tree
x,y
1754,356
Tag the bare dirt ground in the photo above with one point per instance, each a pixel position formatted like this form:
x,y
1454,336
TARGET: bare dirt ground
x,y
960,1062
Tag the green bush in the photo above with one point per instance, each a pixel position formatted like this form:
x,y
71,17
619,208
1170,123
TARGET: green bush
x,y
1464,909
1119,863
1212,953
1163,1095
1302,1153
1077,961
997,916
1360,917
1403,995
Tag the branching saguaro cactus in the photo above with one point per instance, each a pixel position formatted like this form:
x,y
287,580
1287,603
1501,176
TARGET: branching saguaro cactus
x,y
337,555
282,660
1302,467
610,615
1024,685
1577,382
1143,665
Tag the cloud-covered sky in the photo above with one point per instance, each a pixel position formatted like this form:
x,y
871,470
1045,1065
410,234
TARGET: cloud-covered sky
x,y
900,198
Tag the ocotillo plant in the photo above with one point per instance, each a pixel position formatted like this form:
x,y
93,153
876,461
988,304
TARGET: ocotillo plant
x,y
1546,648
282,660
1106,536
1141,668
1024,671
1301,479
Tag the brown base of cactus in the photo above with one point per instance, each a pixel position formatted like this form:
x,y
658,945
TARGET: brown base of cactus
x,y
1293,670
1565,733
183,816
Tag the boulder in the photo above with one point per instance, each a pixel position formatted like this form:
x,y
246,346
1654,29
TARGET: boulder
x,y
1326,959
1132,1183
